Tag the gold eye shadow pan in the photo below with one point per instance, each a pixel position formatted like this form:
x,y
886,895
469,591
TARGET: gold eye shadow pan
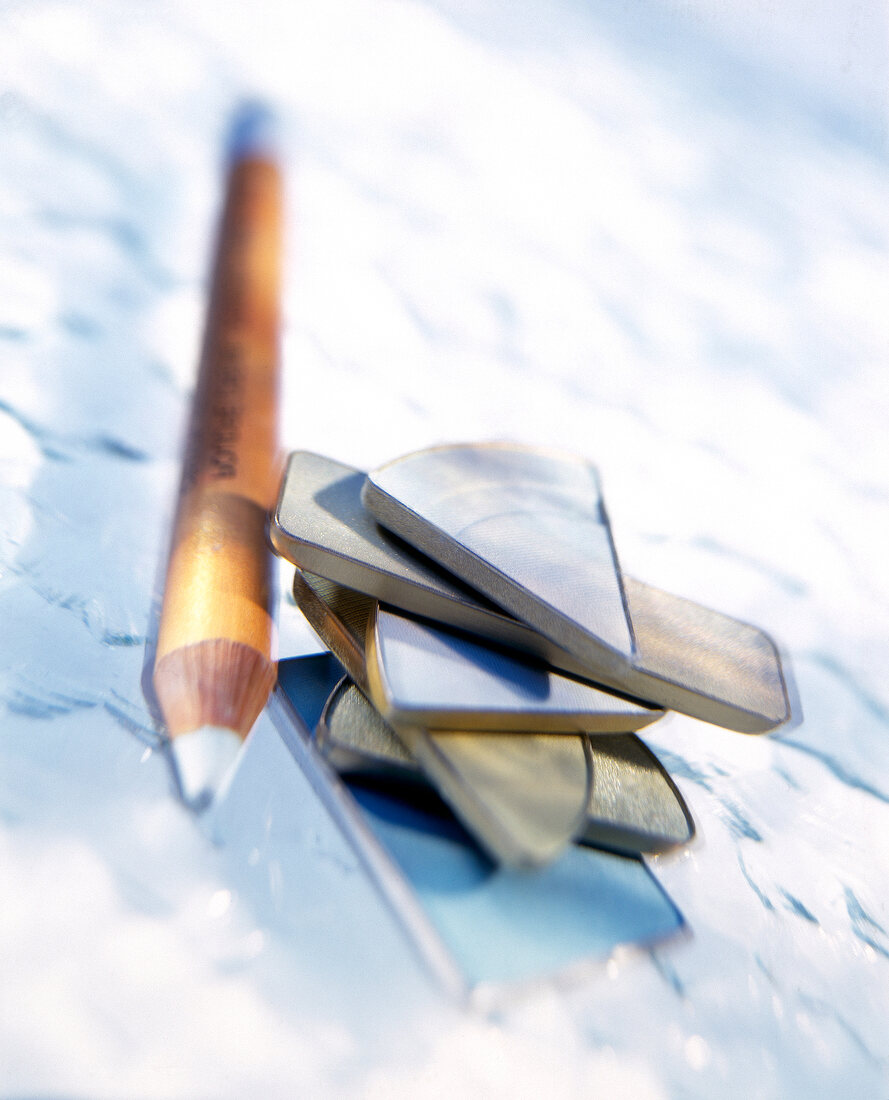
x,y
528,529
356,741
420,675
321,526
687,657
523,798
633,807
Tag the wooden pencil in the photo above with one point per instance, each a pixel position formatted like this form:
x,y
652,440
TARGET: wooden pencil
x,y
214,666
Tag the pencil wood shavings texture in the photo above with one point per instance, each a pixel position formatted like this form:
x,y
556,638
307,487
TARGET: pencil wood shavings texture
x,y
528,529
522,797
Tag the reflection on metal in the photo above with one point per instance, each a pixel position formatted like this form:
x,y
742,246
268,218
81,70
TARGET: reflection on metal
x,y
353,737
321,526
522,797
528,529
423,675
418,674
340,618
633,805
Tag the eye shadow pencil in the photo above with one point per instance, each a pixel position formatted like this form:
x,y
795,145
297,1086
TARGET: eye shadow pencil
x,y
214,666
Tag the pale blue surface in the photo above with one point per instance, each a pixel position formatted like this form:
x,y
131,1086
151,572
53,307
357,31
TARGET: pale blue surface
x,y
500,927
510,926
597,226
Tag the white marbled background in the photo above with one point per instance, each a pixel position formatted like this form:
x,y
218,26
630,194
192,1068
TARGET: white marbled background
x,y
652,233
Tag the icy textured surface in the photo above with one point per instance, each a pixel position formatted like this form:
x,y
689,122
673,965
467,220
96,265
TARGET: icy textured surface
x,y
585,226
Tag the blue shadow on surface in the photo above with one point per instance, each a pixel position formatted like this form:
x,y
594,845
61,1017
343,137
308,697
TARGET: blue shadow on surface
x,y
498,925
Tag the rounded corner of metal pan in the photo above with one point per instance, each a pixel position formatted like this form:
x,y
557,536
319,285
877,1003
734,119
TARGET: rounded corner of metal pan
x,y
549,560
706,664
338,616
524,526
422,674
357,739
378,688
635,806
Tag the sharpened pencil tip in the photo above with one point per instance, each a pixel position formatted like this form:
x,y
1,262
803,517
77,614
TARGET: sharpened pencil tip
x,y
253,133
203,760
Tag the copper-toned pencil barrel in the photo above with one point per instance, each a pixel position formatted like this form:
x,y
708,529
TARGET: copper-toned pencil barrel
x,y
214,665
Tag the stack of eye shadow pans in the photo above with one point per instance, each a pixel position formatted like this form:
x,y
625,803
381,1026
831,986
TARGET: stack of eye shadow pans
x,y
493,649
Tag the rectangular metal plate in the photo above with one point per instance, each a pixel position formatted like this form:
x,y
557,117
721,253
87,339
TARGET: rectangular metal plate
x,y
489,928
421,675
513,523
633,805
321,526
522,798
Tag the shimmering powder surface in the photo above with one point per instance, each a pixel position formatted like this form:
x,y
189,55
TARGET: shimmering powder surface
x,y
526,528
353,734
654,235
445,680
